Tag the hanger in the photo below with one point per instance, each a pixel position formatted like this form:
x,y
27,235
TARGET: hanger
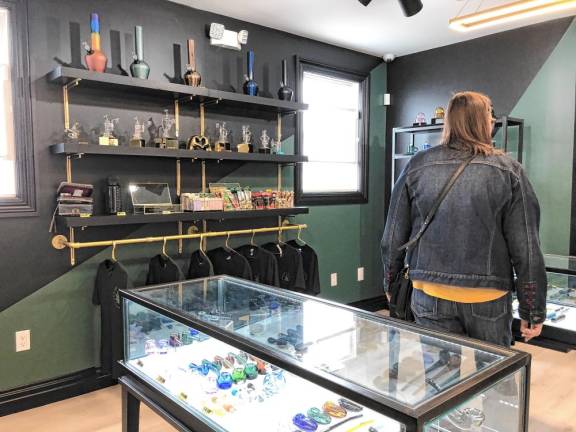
x,y
165,253
280,243
298,238
114,252
252,239
202,246
164,248
227,248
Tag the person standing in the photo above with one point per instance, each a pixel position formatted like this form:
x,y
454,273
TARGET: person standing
x,y
485,231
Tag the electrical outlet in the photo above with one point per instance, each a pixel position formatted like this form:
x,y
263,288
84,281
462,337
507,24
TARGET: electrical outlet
x,y
360,274
22,340
334,279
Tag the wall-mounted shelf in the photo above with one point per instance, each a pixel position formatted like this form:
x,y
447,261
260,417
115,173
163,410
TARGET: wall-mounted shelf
x,y
227,101
431,128
399,152
94,149
133,219
219,102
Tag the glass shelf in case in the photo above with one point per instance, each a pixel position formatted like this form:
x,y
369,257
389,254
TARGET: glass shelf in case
x,y
199,342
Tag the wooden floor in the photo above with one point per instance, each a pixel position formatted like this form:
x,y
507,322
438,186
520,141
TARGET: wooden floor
x,y
552,404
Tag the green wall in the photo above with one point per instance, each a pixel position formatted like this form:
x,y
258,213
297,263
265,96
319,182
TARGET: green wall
x,y
65,325
345,237
548,107
348,236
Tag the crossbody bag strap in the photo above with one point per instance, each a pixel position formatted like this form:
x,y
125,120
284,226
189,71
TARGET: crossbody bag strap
x,y
412,242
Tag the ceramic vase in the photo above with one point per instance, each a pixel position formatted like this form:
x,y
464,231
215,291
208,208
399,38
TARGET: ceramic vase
x,y
139,68
192,77
95,59
250,86
285,92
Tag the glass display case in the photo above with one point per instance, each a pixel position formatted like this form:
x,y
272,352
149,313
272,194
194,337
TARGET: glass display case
x,y
559,330
227,354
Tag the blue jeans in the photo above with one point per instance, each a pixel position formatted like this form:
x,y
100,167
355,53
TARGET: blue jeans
x,y
488,321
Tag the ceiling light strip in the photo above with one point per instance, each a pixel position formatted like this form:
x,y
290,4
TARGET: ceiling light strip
x,y
510,12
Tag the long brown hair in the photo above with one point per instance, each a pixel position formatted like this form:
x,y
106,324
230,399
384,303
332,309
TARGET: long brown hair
x,y
468,124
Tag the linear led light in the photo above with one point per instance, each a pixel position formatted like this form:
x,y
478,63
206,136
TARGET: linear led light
x,y
509,12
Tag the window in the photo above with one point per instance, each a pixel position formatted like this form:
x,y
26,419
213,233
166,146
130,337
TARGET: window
x,y
332,133
16,155
7,156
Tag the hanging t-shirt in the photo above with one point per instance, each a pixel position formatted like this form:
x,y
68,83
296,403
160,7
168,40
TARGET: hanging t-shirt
x,y
263,264
310,263
290,267
230,263
110,278
200,266
163,269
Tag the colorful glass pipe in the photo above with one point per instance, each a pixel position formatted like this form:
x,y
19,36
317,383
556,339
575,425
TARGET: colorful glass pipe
x,y
251,371
250,86
334,410
224,381
139,68
238,375
349,405
223,362
95,59
304,423
319,416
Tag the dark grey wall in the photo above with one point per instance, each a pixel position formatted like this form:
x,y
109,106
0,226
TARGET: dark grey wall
x,y
500,65
56,29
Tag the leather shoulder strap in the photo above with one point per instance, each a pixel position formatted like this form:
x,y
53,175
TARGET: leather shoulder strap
x,y
436,204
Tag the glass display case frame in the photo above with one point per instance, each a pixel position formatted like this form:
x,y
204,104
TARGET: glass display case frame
x,y
415,417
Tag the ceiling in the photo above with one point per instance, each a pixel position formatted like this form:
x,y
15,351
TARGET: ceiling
x,y
378,29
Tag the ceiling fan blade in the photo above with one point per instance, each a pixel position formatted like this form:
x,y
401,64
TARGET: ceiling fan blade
x,y
365,2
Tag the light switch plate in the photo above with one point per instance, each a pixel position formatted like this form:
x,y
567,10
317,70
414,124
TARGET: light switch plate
x,y
360,274
334,279
22,340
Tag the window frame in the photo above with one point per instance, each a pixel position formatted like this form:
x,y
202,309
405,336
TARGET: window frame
x,y
24,203
334,198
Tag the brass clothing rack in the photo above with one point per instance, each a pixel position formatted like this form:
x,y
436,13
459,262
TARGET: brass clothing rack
x,y
61,242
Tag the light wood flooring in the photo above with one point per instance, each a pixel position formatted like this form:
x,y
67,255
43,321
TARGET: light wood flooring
x,y
552,404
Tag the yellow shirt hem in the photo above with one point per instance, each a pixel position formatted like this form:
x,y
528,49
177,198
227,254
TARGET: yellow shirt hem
x,y
459,294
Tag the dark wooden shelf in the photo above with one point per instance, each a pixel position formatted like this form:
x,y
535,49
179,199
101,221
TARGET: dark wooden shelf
x,y
233,103
132,219
94,149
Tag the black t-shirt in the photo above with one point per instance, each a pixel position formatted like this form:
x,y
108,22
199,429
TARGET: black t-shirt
x,y
230,263
310,263
233,264
163,269
290,267
263,264
110,278
200,266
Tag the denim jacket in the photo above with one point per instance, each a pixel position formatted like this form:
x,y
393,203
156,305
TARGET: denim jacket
x,y
484,232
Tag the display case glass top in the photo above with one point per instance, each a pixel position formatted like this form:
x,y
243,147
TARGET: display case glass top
x,y
560,263
360,348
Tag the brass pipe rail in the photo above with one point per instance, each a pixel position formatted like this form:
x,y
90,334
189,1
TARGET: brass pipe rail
x,y
61,242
